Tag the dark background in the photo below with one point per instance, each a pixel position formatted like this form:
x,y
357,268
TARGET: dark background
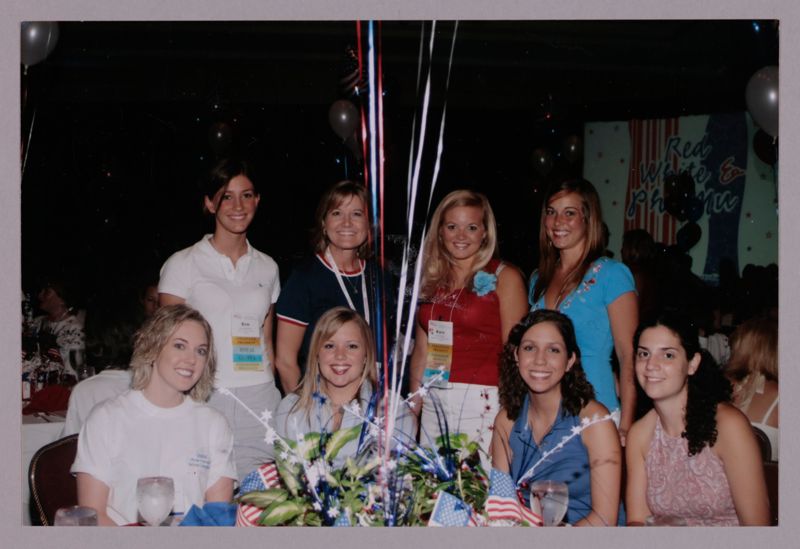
x,y
116,123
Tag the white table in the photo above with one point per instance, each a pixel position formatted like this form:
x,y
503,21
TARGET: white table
x,y
37,431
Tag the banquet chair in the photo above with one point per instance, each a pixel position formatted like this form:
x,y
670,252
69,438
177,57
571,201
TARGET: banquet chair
x,y
763,443
771,477
52,485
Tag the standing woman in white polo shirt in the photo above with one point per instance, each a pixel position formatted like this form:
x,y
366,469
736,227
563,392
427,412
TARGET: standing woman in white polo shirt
x,y
234,286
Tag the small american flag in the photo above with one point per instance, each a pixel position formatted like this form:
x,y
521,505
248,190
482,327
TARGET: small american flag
x,y
504,502
266,476
451,511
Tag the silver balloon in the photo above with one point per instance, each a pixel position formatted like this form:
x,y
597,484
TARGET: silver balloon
x,y
38,41
344,118
762,99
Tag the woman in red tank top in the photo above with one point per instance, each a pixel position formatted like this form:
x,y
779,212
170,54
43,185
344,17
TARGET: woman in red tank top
x,y
469,301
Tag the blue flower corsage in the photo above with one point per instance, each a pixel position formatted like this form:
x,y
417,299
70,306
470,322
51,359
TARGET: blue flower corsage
x,y
484,283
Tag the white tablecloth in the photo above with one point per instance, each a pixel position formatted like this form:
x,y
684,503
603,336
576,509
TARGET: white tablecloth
x,y
36,432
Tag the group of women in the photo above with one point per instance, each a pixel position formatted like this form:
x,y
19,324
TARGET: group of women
x,y
554,370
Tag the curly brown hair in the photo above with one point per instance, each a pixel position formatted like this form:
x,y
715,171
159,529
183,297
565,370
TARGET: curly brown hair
x,y
576,391
707,387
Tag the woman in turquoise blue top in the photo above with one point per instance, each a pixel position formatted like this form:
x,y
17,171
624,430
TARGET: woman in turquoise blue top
x,y
597,293
546,400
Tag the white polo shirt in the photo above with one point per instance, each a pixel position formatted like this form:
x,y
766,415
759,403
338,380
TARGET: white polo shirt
x,y
234,300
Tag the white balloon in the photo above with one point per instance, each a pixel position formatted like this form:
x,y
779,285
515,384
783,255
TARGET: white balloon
x,y
38,41
762,99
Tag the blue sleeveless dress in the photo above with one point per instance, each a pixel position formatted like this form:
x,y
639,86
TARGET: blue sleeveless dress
x,y
570,464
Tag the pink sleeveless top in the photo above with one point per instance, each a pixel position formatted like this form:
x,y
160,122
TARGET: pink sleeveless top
x,y
693,488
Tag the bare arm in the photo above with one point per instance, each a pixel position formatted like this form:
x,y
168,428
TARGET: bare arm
x,y
623,314
169,299
738,449
501,450
94,493
418,359
222,490
513,299
289,341
605,466
636,507
270,349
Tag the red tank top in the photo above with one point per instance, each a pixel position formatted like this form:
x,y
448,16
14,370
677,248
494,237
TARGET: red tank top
x,y
477,338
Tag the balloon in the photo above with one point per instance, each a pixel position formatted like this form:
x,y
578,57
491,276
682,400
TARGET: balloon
x,y
573,149
344,118
220,137
678,195
38,40
688,236
696,210
765,147
542,161
762,99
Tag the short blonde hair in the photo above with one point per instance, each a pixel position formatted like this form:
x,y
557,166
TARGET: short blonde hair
x,y
327,325
437,260
154,335
334,197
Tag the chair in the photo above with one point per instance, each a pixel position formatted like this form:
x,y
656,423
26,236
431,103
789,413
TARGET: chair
x,y
763,443
771,477
52,485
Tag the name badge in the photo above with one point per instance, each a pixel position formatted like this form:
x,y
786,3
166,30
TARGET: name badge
x,y
248,356
440,353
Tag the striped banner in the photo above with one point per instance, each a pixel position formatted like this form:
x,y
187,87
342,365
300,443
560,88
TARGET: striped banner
x,y
649,164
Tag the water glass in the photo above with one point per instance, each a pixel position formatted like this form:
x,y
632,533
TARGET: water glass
x,y
75,515
553,498
155,497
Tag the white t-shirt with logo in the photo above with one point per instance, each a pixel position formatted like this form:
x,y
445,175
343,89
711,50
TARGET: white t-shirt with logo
x,y
127,438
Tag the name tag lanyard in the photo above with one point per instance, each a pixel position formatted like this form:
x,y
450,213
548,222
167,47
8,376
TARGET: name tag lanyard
x,y
340,280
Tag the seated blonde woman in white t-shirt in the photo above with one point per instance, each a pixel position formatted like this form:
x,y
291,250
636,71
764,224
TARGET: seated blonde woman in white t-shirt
x,y
154,429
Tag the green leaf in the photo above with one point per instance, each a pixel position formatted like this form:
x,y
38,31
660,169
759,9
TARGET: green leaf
x,y
289,473
281,512
312,519
264,498
310,446
339,439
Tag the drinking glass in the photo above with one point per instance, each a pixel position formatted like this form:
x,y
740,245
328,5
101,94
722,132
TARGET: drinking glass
x,y
553,498
75,515
77,359
155,497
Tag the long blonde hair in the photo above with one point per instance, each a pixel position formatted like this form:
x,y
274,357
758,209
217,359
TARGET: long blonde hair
x,y
437,270
327,325
754,352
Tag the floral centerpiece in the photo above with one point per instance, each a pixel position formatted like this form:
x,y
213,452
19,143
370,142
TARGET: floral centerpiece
x,y
396,484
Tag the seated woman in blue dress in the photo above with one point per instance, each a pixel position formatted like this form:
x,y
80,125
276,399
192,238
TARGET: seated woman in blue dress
x,y
545,398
